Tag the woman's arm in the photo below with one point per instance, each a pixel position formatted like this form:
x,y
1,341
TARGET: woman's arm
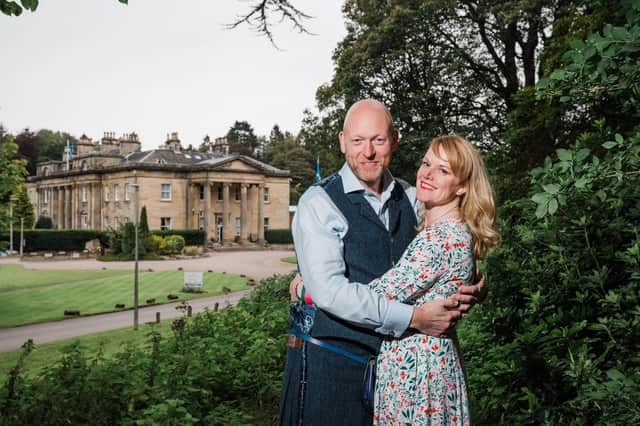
x,y
417,270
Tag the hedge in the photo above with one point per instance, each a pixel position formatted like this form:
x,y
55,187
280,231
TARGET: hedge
x,y
278,236
192,237
50,239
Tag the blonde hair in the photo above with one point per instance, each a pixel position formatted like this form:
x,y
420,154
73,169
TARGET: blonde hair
x,y
477,207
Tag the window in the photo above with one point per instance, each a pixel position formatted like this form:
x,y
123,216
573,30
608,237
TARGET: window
x,y
165,223
237,192
126,192
83,192
201,220
106,193
201,191
84,165
266,195
116,192
266,223
237,226
106,222
84,221
45,195
165,192
116,222
220,193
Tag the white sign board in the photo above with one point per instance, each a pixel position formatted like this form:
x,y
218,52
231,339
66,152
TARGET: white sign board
x,y
193,280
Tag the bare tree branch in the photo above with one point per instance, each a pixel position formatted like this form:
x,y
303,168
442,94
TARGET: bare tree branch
x,y
260,17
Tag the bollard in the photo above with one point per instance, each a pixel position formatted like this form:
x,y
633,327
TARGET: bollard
x,y
189,310
157,317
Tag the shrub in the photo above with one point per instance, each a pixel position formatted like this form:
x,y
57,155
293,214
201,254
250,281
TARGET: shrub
x,y
175,244
53,239
192,237
278,236
44,222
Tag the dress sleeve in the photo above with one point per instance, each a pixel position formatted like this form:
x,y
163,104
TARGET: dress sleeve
x,y
417,270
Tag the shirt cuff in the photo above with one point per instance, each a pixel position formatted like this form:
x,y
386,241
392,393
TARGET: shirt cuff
x,y
397,320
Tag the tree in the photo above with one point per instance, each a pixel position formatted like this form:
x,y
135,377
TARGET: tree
x,y
52,144
12,174
23,209
241,138
28,149
290,155
144,223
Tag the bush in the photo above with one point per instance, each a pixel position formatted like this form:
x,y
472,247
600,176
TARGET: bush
x,y
175,244
53,239
44,222
210,371
278,236
192,237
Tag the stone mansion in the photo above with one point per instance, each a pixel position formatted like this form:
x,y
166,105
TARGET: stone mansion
x,y
232,197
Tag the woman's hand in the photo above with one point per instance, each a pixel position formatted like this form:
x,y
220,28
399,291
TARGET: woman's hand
x,y
295,287
469,295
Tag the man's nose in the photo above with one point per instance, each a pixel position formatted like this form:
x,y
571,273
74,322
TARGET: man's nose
x,y
368,150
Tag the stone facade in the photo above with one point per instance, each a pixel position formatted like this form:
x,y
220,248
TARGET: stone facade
x,y
232,197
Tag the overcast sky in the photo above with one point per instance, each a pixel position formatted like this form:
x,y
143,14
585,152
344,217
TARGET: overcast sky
x,y
158,66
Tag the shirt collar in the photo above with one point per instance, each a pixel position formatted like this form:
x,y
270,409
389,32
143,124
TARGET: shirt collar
x,y
351,183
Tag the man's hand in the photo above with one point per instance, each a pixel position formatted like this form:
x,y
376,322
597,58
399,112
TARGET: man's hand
x,y
295,286
436,317
469,295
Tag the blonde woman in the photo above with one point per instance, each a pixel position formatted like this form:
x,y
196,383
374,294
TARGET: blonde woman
x,y
420,378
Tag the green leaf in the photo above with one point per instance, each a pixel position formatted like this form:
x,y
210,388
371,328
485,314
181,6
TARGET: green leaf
x,y
29,4
582,182
541,211
553,206
551,188
564,155
582,154
619,138
609,144
540,198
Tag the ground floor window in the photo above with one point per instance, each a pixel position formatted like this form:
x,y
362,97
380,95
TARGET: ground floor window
x,y
237,226
165,223
266,223
84,221
201,220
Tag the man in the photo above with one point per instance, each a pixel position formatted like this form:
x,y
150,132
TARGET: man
x,y
349,230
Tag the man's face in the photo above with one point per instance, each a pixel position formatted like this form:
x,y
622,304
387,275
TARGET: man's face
x,y
367,143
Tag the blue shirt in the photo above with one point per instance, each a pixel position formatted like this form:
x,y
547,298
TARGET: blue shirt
x,y
318,229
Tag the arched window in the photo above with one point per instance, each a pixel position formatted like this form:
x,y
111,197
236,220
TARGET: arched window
x,y
84,165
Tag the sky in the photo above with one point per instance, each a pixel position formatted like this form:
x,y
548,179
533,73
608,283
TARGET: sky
x,y
160,66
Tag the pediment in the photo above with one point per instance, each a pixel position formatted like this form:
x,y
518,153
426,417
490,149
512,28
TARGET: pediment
x,y
239,165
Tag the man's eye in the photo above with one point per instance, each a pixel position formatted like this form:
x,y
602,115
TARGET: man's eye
x,y
379,141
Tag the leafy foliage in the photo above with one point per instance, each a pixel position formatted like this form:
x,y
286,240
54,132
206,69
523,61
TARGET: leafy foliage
x,y
209,372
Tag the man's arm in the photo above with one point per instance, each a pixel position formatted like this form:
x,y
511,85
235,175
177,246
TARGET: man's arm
x,y
318,229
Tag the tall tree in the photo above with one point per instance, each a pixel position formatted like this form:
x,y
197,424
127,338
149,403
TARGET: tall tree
x,y
241,138
289,154
12,174
23,209
28,149
51,144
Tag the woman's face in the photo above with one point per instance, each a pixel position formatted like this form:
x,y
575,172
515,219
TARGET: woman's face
x,y
436,185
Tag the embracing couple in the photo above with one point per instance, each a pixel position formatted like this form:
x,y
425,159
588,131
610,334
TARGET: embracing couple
x,y
388,270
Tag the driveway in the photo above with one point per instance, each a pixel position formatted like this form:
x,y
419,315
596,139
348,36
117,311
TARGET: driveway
x,y
253,264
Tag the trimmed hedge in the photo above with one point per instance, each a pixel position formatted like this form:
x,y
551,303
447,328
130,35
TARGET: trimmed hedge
x,y
192,237
278,236
52,239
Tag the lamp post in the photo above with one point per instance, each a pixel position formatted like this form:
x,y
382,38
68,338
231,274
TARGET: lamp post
x,y
11,201
135,256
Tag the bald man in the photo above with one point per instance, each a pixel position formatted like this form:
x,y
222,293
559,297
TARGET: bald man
x,y
348,230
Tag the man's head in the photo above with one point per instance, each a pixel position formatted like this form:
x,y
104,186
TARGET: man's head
x,y
367,141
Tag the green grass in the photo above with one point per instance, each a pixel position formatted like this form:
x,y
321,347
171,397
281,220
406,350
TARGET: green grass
x,y
290,259
111,341
30,298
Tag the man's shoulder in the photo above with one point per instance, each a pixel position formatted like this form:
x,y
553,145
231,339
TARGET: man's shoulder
x,y
404,184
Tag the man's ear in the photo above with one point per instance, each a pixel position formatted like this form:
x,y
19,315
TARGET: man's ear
x,y
343,148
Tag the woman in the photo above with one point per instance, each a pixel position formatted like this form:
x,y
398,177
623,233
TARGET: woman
x,y
421,378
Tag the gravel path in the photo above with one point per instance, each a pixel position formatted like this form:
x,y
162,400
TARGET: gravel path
x,y
254,264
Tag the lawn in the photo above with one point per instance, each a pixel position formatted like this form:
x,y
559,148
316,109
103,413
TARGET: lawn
x,y
26,296
111,342
290,259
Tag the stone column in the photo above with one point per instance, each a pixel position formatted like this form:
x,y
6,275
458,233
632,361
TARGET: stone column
x,y
188,204
244,213
227,234
61,206
69,207
207,209
261,213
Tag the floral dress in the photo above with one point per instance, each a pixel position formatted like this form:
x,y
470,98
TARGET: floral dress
x,y
420,379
